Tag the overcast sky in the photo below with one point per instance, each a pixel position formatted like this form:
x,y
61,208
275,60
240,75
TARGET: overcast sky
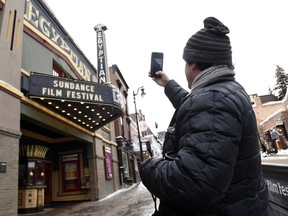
x,y
258,35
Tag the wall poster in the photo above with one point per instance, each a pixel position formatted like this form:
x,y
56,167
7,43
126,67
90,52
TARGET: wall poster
x,y
108,162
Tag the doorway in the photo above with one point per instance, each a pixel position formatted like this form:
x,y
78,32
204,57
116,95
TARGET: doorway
x,y
48,183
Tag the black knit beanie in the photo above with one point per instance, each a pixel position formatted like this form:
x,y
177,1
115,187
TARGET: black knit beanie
x,y
209,45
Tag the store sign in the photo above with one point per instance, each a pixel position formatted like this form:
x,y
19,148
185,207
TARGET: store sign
x,y
279,122
42,24
3,166
72,90
143,126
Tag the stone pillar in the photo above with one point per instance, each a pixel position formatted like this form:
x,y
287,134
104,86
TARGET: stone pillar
x,y
101,179
93,176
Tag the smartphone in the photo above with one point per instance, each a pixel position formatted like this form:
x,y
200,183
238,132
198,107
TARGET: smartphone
x,y
156,63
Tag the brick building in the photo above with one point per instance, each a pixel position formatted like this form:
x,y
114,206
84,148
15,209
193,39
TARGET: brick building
x,y
272,117
127,156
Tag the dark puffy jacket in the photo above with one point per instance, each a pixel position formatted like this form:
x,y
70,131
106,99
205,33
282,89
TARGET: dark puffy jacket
x,y
217,170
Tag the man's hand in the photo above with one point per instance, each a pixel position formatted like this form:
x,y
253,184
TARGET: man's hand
x,y
161,78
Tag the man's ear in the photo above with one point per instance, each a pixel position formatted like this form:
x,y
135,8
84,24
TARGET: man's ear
x,y
194,68
191,67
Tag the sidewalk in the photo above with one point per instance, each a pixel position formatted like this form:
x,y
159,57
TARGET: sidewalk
x,y
133,201
281,158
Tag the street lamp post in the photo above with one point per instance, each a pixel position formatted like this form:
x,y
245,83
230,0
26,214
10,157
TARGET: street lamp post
x,y
136,113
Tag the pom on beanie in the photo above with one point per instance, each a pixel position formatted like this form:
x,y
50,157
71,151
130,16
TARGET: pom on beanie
x,y
209,45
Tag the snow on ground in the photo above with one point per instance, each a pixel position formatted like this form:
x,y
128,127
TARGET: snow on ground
x,y
116,192
140,188
280,152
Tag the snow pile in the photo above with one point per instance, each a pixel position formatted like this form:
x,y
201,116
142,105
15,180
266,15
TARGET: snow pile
x,y
282,152
141,187
281,155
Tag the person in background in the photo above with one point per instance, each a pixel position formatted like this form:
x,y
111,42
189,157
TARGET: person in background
x,y
274,138
216,163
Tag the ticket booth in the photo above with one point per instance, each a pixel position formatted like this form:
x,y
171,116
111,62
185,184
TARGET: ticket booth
x,y
31,178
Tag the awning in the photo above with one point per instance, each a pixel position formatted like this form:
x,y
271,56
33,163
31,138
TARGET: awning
x,y
88,104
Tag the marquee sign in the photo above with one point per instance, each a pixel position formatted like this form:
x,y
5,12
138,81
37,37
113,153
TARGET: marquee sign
x,y
88,104
72,90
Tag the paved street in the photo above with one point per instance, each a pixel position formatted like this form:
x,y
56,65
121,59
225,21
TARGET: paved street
x,y
133,201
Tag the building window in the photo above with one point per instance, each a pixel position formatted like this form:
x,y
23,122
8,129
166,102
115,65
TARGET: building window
x,y
71,172
105,133
55,73
119,84
58,71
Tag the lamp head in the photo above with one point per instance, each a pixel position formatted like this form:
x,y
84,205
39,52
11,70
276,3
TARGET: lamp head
x,y
142,92
100,27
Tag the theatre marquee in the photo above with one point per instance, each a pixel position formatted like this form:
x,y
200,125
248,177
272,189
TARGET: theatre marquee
x,y
91,105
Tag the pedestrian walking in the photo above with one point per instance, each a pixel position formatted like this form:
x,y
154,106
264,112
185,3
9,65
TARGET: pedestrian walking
x,y
215,168
274,138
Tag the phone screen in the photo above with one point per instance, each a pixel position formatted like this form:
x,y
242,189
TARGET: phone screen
x,y
156,63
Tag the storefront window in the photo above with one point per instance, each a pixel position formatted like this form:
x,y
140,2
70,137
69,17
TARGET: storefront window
x,y
39,174
125,165
31,173
71,172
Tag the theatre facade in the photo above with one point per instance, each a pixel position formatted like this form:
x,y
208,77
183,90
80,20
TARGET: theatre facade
x,y
57,134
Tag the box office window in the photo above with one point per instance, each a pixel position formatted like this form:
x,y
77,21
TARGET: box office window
x,y
71,172
32,173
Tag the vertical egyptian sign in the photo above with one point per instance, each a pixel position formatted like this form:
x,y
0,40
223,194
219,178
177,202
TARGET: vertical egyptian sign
x,y
102,68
